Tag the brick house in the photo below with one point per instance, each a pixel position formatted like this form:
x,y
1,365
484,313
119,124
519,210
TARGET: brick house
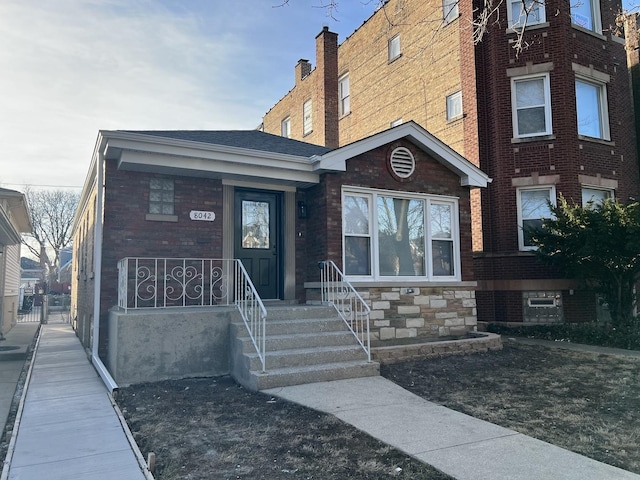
x,y
392,210
555,118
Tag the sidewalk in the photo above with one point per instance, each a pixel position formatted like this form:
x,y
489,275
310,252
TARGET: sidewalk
x,y
67,427
459,445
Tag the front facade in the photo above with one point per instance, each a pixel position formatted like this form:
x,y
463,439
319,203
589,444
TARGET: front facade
x,y
14,221
391,210
554,118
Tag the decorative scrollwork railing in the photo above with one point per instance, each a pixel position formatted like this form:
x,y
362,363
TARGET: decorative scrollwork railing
x,y
174,282
337,291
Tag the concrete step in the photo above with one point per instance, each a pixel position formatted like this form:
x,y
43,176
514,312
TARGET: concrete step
x,y
303,325
303,340
298,312
312,374
306,357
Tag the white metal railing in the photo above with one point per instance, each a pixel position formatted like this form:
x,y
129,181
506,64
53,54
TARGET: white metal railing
x,y
252,310
193,282
174,282
336,290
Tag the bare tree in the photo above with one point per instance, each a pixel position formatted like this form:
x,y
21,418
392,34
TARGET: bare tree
x,y
52,213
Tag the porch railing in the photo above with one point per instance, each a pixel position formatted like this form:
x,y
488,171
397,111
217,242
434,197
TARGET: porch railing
x,y
193,282
337,291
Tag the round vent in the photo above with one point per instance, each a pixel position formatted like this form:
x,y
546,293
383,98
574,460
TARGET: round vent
x,y
402,162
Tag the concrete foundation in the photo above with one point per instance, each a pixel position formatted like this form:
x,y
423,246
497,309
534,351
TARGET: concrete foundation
x,y
153,345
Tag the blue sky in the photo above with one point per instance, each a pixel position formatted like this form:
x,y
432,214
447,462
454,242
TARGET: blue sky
x,y
73,67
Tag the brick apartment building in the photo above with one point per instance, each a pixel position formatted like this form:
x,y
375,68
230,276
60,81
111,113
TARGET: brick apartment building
x,y
555,118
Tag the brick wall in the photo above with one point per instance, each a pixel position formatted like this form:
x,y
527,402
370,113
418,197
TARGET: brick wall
x,y
128,233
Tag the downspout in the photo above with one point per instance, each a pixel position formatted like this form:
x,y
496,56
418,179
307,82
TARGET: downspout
x,y
97,255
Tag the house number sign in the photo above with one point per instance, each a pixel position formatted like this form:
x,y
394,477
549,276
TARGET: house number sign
x,y
202,216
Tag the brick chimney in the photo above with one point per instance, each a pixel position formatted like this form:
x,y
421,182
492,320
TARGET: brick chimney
x,y
327,74
303,69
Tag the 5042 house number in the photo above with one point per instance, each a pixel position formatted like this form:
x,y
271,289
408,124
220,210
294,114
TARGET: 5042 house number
x,y
202,216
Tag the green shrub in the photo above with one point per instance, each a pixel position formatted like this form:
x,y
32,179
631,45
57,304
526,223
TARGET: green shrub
x,y
625,336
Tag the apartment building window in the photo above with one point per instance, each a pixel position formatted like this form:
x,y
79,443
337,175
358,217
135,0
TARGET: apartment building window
x,y
592,112
161,196
593,196
344,105
449,10
533,205
395,235
531,106
285,127
523,13
307,123
394,48
454,105
586,14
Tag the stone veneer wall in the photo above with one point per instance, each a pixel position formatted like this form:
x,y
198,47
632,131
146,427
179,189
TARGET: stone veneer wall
x,y
402,312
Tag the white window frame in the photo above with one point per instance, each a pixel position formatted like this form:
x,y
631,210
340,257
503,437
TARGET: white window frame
x,y
552,198
307,117
394,47
344,97
450,11
602,106
544,77
396,122
428,201
525,18
608,193
593,8
285,127
454,105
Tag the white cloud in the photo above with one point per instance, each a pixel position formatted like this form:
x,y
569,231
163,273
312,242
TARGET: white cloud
x,y
72,67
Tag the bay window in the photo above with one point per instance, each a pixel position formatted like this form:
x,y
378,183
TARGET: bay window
x,y
395,235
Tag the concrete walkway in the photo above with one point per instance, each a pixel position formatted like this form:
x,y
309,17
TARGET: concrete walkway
x,y
459,445
67,427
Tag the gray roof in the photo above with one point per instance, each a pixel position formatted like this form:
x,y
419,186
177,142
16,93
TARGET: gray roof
x,y
251,139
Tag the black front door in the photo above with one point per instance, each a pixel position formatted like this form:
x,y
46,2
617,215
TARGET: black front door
x,y
257,239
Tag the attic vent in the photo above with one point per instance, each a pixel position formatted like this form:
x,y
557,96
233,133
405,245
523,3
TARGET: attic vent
x,y
402,162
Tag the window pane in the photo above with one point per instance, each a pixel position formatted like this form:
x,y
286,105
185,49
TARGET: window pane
x,y
255,224
535,204
527,226
440,221
588,106
454,105
306,116
530,93
442,256
357,256
581,14
594,195
520,17
394,47
450,10
400,236
356,215
531,120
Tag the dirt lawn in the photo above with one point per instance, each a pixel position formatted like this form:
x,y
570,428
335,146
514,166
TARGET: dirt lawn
x,y
212,428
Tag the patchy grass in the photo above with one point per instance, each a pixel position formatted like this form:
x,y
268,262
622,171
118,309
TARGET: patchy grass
x,y
584,402
213,428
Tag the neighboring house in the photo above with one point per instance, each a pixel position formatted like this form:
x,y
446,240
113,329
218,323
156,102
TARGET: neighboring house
x,y
554,119
391,210
14,221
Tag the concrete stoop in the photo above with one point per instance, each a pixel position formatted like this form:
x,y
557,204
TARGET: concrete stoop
x,y
304,344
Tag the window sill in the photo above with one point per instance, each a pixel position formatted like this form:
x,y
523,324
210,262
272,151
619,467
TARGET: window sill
x,y
601,141
307,134
533,139
590,32
446,23
535,26
455,119
156,217
344,115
